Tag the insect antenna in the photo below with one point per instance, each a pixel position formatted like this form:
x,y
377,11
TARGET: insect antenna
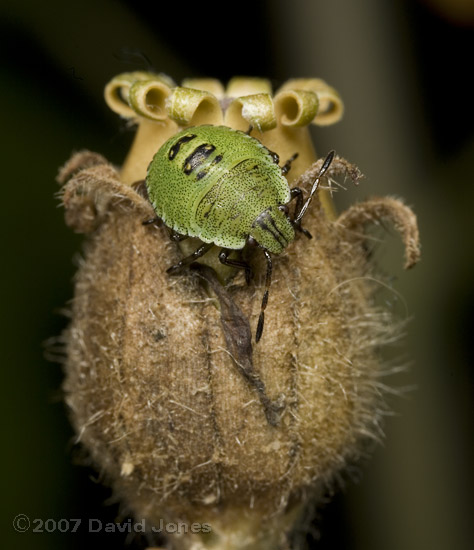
x,y
268,281
324,168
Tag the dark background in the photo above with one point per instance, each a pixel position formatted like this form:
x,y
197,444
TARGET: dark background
x,y
404,70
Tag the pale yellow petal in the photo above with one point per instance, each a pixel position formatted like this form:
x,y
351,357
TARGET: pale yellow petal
x,y
211,85
243,85
255,110
117,91
296,108
147,98
190,107
331,107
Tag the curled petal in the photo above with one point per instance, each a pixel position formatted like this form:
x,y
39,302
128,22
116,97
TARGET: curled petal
x,y
242,86
211,85
148,97
296,108
190,107
255,110
117,91
331,107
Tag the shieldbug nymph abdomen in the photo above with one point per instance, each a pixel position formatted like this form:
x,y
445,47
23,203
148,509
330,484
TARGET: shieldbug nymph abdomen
x,y
224,187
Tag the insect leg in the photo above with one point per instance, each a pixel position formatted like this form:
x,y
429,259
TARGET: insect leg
x,y
177,236
297,193
268,281
223,258
324,169
190,259
156,220
287,166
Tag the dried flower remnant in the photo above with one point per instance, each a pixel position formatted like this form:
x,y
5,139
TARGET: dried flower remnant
x,y
188,421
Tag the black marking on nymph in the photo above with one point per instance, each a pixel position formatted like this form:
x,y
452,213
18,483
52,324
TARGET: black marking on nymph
x,y
277,233
204,172
273,230
175,149
197,157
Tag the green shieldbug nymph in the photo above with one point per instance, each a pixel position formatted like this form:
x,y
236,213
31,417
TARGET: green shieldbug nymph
x,y
224,187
